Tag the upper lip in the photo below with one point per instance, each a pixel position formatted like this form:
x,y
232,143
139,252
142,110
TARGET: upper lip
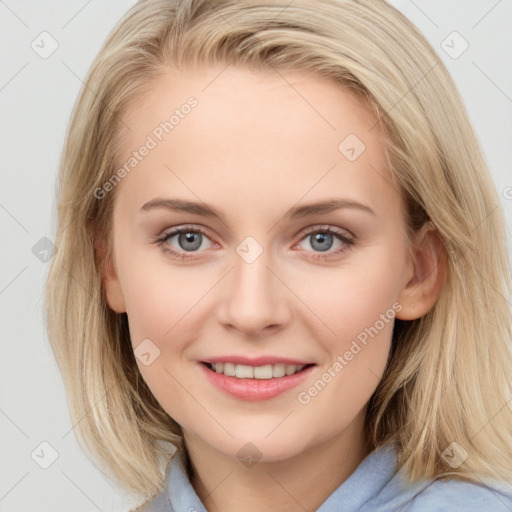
x,y
255,361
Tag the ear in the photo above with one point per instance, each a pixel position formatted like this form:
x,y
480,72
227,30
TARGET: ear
x,y
113,291
428,260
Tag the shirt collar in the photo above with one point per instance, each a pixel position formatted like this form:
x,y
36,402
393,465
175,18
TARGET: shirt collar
x,y
374,484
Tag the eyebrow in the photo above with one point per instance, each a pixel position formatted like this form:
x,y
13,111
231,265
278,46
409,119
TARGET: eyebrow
x,y
295,212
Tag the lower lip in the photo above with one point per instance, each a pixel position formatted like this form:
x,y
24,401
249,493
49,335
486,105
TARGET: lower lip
x,y
255,389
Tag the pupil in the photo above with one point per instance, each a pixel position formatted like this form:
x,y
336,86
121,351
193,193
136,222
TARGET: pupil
x,y
321,238
187,241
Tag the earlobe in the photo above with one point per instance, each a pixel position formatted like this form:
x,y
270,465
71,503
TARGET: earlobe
x,y
109,278
429,262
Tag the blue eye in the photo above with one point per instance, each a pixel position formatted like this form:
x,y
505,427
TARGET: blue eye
x,y
322,240
190,240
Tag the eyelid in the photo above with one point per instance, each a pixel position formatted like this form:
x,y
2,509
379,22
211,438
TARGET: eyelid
x,y
197,228
170,232
203,230
332,229
175,230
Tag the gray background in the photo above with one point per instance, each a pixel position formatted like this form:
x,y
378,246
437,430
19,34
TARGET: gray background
x,y
36,97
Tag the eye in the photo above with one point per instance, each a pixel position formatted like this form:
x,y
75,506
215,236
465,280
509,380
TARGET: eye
x,y
187,240
322,239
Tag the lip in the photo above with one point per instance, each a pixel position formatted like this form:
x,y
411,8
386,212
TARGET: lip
x,y
254,389
255,361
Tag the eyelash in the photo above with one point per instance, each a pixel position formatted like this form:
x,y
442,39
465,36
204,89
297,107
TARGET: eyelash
x,y
348,242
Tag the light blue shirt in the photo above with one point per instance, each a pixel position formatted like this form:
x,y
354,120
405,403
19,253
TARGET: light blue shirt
x,y
375,486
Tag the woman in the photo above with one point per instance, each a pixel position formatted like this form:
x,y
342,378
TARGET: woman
x,y
282,274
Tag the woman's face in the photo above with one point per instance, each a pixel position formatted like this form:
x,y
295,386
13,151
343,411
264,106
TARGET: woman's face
x,y
295,257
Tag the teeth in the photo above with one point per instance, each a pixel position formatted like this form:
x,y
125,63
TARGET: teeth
x,y
263,372
244,372
290,369
268,371
278,370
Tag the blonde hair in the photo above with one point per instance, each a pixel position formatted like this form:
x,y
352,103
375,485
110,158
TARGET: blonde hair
x,y
449,374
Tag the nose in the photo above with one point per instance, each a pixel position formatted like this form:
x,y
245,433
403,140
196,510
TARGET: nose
x,y
256,302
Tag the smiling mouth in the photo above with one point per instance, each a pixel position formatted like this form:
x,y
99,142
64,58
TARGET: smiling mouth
x,y
265,372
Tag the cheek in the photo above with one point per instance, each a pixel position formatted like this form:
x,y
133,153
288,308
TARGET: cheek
x,y
163,305
359,309
352,297
161,299
357,306
343,388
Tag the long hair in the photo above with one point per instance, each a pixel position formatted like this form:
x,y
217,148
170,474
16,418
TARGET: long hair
x,y
448,378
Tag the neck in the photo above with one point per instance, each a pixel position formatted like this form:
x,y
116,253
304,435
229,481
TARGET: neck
x,y
301,482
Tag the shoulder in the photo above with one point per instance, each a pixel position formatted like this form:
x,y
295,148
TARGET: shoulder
x,y
461,496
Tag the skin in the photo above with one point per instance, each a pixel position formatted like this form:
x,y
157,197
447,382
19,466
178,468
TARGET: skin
x,y
256,145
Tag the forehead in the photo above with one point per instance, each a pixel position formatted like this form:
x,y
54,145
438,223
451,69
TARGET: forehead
x,y
255,138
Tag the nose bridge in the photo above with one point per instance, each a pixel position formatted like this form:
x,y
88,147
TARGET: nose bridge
x,y
252,278
255,296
